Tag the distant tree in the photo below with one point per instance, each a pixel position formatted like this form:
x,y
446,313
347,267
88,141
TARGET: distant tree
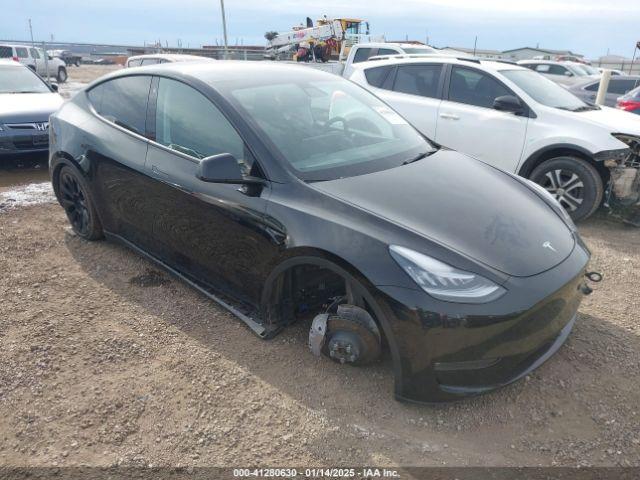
x,y
270,35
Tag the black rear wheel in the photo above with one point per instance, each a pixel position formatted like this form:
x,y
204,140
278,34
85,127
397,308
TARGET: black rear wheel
x,y
62,75
78,205
576,184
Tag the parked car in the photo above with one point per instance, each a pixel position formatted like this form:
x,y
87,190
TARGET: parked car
x,y
154,59
564,73
362,52
618,85
630,102
286,193
67,56
613,71
34,58
26,102
514,119
571,58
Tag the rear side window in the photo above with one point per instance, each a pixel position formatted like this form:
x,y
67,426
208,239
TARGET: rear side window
x,y
475,88
186,121
621,86
123,101
134,63
6,52
419,80
22,52
34,53
376,76
150,61
362,54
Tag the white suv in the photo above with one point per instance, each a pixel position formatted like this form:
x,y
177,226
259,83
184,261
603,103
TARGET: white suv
x,y
517,120
33,58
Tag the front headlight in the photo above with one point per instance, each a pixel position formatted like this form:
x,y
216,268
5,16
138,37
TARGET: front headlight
x,y
554,204
443,281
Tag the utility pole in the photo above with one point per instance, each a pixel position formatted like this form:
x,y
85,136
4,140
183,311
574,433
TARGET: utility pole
x,y
475,44
31,32
224,30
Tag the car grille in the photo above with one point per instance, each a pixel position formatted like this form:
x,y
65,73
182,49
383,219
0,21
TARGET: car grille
x,y
39,126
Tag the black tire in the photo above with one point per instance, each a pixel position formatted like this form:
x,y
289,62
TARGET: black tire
x,y
62,75
75,197
575,183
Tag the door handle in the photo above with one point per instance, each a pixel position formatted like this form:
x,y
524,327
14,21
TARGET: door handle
x,y
449,116
155,170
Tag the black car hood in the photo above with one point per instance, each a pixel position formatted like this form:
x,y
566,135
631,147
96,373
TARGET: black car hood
x,y
466,206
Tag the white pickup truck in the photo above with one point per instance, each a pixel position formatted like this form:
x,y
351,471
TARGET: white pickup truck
x,y
34,58
361,52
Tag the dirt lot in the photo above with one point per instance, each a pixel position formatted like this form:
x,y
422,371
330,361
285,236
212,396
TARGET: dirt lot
x,y
106,360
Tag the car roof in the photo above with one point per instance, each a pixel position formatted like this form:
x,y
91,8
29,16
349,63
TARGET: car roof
x,y
438,58
170,56
228,71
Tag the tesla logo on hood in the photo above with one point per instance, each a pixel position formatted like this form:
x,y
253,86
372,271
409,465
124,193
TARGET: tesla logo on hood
x,y
549,246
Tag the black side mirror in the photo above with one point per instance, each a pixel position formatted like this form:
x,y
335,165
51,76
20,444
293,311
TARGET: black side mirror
x,y
224,168
508,103
54,87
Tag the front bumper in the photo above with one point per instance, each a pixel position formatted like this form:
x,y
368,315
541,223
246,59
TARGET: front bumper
x,y
23,141
444,351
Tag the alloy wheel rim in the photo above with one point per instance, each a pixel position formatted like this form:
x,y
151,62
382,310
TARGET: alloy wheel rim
x,y
74,203
566,187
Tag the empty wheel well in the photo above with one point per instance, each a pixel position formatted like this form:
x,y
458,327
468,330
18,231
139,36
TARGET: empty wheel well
x,y
303,290
538,158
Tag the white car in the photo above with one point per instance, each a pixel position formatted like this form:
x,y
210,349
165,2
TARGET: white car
x,y
34,58
155,58
516,120
564,73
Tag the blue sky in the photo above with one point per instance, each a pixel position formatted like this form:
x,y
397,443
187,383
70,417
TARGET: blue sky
x,y
585,26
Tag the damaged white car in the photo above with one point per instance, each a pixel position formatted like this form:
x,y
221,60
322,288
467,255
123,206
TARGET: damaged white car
x,y
517,120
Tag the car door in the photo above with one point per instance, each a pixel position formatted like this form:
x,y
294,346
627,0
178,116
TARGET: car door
x,y
116,149
211,231
38,61
468,122
413,90
618,86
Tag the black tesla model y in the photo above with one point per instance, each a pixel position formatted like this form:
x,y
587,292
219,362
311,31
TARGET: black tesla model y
x,y
285,194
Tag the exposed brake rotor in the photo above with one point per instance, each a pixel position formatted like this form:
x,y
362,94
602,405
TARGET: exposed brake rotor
x,y
348,336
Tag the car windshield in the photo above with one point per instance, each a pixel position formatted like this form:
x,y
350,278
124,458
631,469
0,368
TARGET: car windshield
x,y
545,91
330,129
19,79
591,70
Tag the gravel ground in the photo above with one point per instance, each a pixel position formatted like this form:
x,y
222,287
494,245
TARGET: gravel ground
x,y
108,361
105,360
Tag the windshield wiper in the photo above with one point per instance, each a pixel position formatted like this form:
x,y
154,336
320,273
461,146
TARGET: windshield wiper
x,y
417,157
585,108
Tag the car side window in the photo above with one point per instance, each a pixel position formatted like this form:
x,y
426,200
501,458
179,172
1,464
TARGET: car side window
x,y
362,54
386,51
134,63
376,76
123,101
419,80
34,53
187,122
474,87
621,86
593,87
559,70
150,61
542,68
22,52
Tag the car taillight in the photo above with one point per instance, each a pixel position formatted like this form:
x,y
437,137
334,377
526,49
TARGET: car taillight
x,y
628,105
15,59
